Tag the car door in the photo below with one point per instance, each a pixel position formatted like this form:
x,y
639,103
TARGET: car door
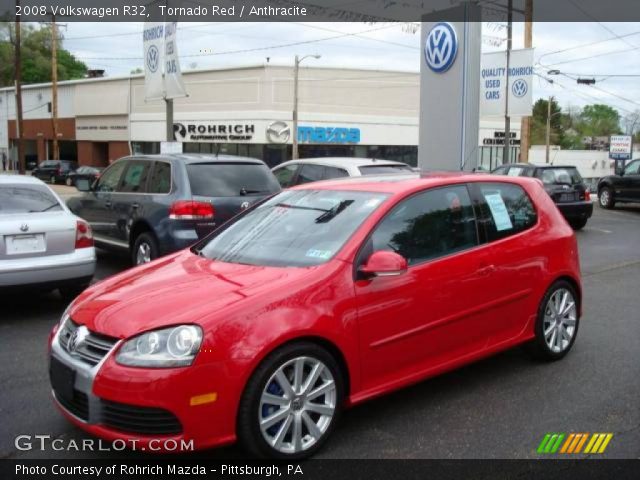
x,y
286,174
309,173
630,182
129,198
505,213
42,171
439,310
96,206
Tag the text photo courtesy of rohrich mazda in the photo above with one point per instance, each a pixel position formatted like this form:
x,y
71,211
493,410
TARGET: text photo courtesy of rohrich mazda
x,y
307,239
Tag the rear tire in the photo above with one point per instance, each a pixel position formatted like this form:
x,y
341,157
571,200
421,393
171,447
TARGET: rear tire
x,y
145,249
69,182
606,199
557,322
578,224
300,429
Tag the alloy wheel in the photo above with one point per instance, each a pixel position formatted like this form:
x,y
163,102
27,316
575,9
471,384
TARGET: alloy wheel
x,y
143,255
605,198
297,405
559,322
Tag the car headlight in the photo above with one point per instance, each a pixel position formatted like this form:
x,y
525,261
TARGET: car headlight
x,y
169,347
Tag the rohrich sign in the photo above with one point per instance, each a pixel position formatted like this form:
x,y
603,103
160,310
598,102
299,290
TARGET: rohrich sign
x,y
213,132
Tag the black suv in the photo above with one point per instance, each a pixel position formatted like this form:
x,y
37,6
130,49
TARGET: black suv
x,y
624,187
156,204
563,184
54,171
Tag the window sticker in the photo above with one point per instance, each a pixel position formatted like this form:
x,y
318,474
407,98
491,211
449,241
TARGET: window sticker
x,y
313,253
499,211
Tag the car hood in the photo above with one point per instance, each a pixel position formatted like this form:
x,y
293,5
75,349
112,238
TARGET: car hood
x,y
180,288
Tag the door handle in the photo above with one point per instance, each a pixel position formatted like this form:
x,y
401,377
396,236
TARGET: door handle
x,y
486,270
135,205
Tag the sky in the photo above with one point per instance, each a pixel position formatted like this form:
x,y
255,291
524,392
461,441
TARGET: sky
x,y
608,52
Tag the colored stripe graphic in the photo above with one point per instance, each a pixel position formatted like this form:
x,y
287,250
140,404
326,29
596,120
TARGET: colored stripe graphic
x,y
573,443
550,443
598,443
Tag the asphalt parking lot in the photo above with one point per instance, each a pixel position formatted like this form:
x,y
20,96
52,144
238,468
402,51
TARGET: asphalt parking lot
x,y
498,408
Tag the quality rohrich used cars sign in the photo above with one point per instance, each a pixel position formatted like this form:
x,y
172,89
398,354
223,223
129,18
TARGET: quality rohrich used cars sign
x,y
493,80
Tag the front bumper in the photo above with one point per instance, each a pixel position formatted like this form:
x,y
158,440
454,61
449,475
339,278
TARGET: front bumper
x,y
141,394
576,210
80,264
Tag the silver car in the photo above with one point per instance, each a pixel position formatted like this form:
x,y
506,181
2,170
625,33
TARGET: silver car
x,y
41,242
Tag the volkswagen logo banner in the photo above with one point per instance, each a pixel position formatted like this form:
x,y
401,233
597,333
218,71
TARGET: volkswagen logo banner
x,y
441,47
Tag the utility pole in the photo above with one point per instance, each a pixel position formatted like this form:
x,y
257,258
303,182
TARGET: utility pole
x,y
506,155
525,123
54,87
296,69
169,105
548,133
18,77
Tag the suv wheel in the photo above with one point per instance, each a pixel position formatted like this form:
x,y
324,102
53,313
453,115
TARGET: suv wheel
x,y
69,182
52,180
605,196
145,249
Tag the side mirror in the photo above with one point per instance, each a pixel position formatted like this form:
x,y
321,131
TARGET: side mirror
x,y
83,185
384,263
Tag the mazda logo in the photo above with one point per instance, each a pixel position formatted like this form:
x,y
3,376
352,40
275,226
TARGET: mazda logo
x,y
77,339
441,47
153,58
519,88
24,227
278,132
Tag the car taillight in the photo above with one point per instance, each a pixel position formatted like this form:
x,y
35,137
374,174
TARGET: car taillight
x,y
190,210
585,195
84,236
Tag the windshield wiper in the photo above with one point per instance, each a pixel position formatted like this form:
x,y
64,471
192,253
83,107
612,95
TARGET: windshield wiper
x,y
45,209
335,211
245,191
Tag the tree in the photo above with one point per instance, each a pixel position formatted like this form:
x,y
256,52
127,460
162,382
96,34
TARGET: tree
x,y
136,71
539,122
36,55
599,120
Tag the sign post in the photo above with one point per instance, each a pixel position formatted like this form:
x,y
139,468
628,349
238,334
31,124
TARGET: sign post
x,y
449,89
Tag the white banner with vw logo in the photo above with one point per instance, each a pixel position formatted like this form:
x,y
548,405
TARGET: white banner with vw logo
x,y
174,86
153,41
493,76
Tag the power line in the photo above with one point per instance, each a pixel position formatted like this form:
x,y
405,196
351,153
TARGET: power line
x,y
584,45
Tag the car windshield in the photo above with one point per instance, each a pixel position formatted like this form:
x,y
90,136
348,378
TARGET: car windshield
x,y
231,179
297,228
383,169
19,198
560,175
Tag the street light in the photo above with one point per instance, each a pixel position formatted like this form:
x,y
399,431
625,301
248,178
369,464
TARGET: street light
x,y
548,135
298,61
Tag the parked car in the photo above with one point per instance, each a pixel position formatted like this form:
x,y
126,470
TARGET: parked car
x,y
42,244
54,171
624,187
299,172
86,172
563,183
156,204
321,297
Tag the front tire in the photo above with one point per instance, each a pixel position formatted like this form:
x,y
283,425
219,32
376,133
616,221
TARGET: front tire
x,y
145,249
292,403
557,322
52,179
605,198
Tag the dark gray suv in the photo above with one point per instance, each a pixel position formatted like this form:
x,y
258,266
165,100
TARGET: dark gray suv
x,y
153,205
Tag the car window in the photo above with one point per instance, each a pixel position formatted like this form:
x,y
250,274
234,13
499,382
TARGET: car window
x,y
431,224
310,173
501,170
559,176
515,171
633,168
297,228
111,177
383,169
334,172
285,174
19,198
135,177
231,179
160,181
506,209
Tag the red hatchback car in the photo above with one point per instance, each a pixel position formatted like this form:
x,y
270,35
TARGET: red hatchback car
x,y
319,298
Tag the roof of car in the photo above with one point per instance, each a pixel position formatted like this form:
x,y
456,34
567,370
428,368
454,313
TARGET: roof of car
x,y
200,158
344,161
398,183
533,165
8,179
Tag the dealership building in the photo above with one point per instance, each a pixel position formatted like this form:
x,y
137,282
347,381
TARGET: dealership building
x,y
240,111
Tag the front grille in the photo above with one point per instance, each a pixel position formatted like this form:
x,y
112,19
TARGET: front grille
x,y
91,349
141,420
78,405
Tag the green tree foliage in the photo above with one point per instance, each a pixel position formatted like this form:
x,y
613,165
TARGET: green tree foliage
x,y
599,120
36,56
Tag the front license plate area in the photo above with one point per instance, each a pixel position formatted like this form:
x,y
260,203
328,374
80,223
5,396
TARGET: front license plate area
x,y
62,379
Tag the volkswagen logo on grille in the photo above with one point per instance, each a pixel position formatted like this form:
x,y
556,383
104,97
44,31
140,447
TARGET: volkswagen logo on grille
x,y
441,47
77,338
278,132
24,227
519,88
153,58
